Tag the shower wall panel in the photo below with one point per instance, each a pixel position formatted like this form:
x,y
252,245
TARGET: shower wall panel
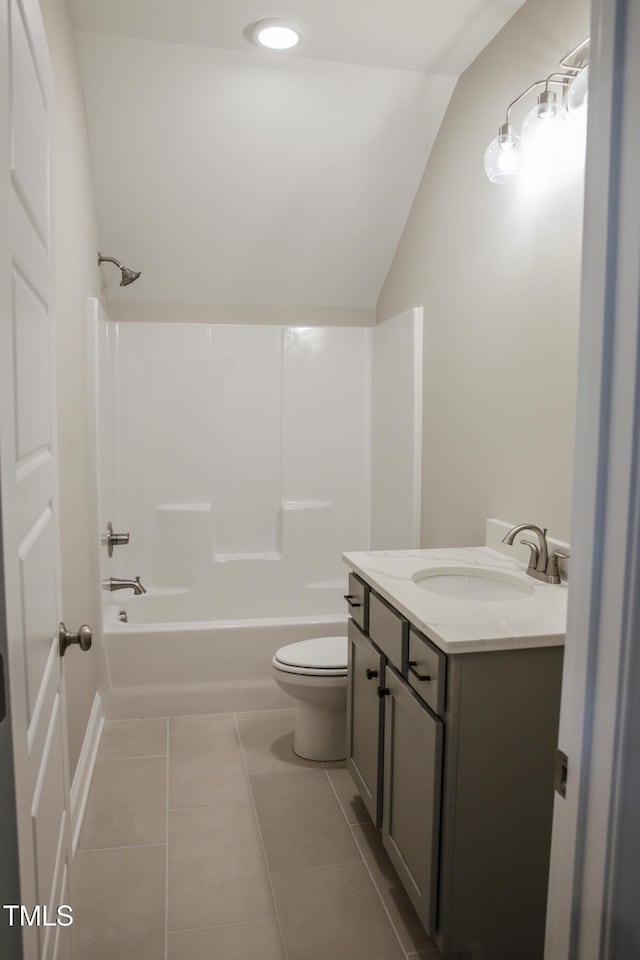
x,y
246,402
162,423
241,462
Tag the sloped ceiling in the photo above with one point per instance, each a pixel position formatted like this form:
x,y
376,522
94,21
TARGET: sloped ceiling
x,y
230,175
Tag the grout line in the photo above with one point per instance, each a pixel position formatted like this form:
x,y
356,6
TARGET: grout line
x,y
264,852
236,923
205,806
249,713
166,867
218,714
138,756
317,866
136,719
120,846
368,869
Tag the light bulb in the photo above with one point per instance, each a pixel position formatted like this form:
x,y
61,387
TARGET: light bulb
x,y
503,156
276,34
579,91
542,131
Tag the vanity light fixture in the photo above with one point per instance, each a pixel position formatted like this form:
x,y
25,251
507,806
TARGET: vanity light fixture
x,y
504,156
276,34
578,91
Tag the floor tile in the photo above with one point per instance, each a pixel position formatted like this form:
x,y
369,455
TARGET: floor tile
x,y
333,912
118,899
411,932
301,821
348,796
216,868
134,738
267,741
127,803
203,723
238,941
432,954
206,768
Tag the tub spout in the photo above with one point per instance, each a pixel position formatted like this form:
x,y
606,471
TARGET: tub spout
x,y
116,583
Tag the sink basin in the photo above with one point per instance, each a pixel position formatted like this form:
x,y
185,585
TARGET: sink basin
x,y
472,583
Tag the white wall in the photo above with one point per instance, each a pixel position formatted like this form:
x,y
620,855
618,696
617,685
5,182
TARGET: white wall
x,y
240,459
498,273
76,277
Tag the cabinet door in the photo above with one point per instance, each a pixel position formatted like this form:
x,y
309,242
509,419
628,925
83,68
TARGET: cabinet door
x,y
364,715
412,785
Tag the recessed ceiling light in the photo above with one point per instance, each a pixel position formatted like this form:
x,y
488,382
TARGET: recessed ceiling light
x,y
276,34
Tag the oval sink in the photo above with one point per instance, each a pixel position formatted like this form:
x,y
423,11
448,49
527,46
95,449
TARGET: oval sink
x,y
471,583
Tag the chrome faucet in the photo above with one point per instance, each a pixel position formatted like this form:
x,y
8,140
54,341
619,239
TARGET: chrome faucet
x,y
116,583
541,565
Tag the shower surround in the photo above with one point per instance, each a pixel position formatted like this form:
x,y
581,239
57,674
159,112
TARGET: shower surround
x,y
239,462
238,457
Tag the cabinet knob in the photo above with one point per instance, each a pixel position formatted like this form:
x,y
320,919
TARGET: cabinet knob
x,y
383,692
370,674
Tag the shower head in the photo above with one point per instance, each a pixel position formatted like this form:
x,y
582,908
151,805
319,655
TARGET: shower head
x,y
128,276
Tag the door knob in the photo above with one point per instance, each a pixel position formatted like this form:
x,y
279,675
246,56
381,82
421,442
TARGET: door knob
x,y
65,638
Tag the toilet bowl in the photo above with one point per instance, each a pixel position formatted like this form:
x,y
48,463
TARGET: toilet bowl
x,y
314,672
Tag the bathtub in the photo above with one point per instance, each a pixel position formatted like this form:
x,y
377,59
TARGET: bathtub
x,y
159,665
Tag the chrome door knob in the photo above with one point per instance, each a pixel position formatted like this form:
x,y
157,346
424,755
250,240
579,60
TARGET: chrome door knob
x,y
83,638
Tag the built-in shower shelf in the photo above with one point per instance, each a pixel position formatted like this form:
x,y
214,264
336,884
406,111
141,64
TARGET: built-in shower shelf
x,y
227,557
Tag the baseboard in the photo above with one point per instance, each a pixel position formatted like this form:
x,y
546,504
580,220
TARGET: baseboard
x,y
84,769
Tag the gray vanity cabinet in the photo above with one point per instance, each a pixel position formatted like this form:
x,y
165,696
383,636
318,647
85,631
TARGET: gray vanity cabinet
x,y
453,756
412,785
364,719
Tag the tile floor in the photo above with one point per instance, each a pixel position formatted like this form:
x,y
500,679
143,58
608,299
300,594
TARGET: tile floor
x,y
205,838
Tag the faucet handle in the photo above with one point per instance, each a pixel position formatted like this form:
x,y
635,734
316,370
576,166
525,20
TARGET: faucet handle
x,y
535,553
552,567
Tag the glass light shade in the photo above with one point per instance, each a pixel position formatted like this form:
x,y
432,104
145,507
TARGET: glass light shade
x,y
502,159
544,141
276,35
579,91
543,128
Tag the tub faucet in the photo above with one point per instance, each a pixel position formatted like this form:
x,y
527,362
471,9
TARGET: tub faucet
x,y
541,565
116,583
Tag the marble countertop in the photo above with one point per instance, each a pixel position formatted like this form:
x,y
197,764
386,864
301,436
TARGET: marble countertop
x,y
537,619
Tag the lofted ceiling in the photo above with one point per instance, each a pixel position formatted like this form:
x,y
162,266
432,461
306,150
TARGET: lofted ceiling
x,y
232,175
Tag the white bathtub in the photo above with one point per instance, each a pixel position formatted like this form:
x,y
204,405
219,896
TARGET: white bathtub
x,y
159,668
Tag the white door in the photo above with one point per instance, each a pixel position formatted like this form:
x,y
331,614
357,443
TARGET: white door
x,y
593,908
28,476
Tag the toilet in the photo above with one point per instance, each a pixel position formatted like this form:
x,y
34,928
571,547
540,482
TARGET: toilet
x,y
314,672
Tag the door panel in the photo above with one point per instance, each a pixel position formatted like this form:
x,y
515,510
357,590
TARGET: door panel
x,y
32,338
28,473
38,600
29,121
364,716
412,785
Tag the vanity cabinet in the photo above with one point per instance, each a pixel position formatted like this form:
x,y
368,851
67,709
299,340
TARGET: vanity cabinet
x,y
454,757
364,719
412,776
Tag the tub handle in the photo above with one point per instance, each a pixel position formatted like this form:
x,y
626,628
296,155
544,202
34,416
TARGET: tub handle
x,y
111,539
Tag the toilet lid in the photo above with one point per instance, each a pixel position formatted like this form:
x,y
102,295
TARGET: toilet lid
x,y
320,653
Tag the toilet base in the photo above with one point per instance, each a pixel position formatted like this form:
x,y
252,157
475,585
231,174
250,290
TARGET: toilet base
x,y
320,732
